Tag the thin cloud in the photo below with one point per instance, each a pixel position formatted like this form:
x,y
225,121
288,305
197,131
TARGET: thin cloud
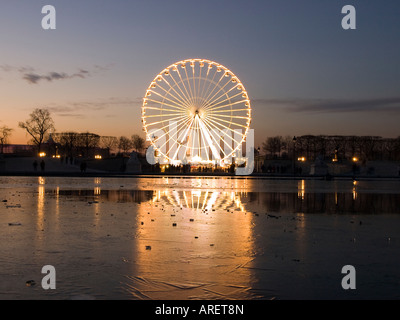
x,y
72,115
333,105
74,109
34,78
30,75
6,68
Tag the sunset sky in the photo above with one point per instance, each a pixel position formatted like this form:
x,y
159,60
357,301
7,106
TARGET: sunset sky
x,y
303,72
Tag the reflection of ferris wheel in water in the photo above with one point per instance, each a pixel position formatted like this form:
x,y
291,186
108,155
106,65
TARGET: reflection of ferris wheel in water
x,y
196,111
201,199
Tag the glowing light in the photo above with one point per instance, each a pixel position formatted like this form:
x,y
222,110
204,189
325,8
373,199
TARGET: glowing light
x,y
42,154
301,159
97,156
196,159
301,189
354,193
355,159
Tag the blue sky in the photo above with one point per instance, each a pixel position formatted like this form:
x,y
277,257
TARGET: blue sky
x,y
303,72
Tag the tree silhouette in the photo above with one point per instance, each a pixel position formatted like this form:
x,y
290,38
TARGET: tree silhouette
x,y
125,144
87,142
109,143
38,124
273,145
68,142
137,142
5,133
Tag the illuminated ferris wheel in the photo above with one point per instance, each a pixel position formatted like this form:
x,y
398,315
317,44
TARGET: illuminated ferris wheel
x,y
196,111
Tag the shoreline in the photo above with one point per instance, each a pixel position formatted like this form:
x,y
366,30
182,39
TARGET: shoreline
x,y
194,174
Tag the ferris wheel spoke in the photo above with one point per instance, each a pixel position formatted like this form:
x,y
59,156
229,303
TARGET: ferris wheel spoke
x,y
161,109
165,127
204,93
209,138
209,104
201,66
167,104
189,85
232,117
219,125
168,92
157,122
162,115
216,86
212,127
226,121
194,139
213,103
184,124
228,110
201,142
189,97
220,89
182,135
230,104
192,64
227,136
191,139
185,96
219,150
206,142
213,84
160,104
165,141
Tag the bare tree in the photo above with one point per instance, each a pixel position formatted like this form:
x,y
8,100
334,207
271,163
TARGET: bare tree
x,y
321,145
124,144
368,147
39,123
137,143
273,145
88,141
5,133
287,145
309,146
397,149
68,142
108,142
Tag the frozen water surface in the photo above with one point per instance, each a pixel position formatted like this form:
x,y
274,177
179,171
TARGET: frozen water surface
x,y
198,238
